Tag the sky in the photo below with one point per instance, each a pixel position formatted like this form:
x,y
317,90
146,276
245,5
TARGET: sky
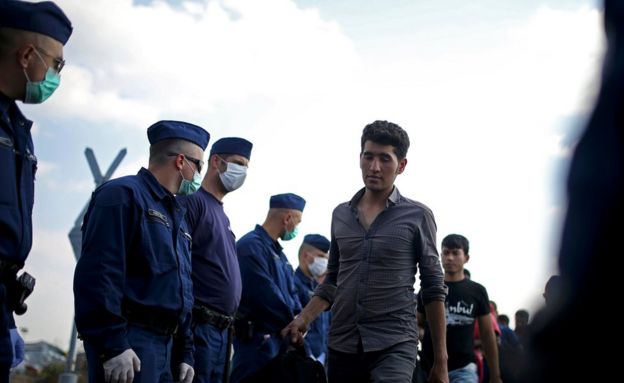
x,y
492,94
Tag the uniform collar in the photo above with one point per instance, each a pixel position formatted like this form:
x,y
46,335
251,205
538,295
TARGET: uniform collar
x,y
264,236
155,187
301,275
393,198
5,107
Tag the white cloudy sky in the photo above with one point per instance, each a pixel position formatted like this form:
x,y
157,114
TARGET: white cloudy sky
x,y
492,94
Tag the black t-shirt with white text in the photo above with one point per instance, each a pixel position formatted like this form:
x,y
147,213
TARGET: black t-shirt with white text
x,y
466,301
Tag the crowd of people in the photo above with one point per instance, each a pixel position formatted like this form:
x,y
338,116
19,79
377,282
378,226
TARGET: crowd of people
x,y
164,291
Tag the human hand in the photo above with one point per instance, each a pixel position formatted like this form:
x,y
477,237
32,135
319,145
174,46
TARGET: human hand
x,y
186,373
438,373
18,347
296,329
121,368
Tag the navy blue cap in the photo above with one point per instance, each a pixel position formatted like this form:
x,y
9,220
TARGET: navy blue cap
x,y
287,201
317,241
44,17
167,130
232,145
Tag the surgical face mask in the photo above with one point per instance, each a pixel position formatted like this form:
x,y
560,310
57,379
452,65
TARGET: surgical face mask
x,y
290,234
189,187
318,267
39,91
234,176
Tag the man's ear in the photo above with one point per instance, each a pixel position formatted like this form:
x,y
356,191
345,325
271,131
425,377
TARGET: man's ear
x,y
402,165
24,55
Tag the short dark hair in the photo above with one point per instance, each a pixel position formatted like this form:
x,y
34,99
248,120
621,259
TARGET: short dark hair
x,y
159,152
456,241
387,133
522,313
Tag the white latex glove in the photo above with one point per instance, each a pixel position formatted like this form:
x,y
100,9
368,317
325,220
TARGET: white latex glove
x,y
121,368
18,347
186,373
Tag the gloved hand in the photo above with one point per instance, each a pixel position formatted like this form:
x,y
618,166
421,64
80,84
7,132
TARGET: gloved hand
x,y
186,373
121,368
18,347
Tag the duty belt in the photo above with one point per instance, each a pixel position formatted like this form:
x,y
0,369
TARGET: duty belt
x,y
151,319
203,315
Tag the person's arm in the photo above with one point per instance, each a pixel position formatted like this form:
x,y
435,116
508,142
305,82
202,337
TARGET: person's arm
x,y
322,299
490,349
433,294
99,278
436,320
299,326
261,295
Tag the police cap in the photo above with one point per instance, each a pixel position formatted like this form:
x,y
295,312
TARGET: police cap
x,y
44,17
166,130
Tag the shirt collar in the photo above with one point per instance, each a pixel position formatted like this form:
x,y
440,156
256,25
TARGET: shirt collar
x,y
393,198
152,183
267,238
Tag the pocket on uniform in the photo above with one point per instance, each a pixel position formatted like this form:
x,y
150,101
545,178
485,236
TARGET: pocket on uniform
x,y
158,242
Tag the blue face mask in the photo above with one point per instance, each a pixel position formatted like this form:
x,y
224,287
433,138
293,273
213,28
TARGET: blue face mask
x,y
189,187
39,91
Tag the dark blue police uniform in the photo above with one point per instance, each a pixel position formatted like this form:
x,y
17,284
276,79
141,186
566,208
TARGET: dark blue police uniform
x,y
216,274
132,284
132,280
268,300
19,165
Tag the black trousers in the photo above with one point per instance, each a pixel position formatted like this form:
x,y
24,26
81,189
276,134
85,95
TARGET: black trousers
x,y
394,364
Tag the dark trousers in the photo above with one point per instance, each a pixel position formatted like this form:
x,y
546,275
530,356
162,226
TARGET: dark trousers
x,y
153,350
210,352
392,365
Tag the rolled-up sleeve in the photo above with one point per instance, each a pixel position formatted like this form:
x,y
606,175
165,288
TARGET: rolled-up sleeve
x,y
431,276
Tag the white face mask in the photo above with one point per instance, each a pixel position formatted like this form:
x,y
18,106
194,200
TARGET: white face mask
x,y
234,176
318,267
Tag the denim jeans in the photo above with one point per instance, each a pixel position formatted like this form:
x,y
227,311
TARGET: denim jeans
x,y
466,374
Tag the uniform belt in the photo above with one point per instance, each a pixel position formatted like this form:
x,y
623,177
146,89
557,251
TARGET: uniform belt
x,y
203,315
152,320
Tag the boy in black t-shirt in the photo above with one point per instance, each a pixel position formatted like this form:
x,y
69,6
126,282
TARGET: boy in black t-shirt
x,y
466,301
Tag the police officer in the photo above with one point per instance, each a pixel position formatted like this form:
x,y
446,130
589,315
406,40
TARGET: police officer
x,y
269,300
32,36
313,259
132,284
216,274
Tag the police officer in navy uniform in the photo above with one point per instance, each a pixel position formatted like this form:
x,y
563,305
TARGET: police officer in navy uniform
x,y
313,259
269,300
216,274
32,36
132,285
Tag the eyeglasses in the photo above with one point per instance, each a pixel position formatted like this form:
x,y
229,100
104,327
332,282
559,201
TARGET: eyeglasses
x,y
198,163
59,64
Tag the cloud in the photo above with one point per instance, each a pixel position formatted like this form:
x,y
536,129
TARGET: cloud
x,y
484,115
133,64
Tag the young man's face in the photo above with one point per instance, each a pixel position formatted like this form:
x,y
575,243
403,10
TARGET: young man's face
x,y
380,166
453,260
